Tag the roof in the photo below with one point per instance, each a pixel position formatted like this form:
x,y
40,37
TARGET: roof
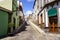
x,y
6,5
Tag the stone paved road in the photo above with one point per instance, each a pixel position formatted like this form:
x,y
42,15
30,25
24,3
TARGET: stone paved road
x,y
30,34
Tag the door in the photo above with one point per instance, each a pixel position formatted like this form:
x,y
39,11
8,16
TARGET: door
x,y
3,22
53,24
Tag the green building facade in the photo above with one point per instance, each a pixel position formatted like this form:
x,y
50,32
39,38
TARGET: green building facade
x,y
15,17
9,19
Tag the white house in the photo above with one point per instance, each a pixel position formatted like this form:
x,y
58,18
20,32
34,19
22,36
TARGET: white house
x,y
51,13
47,12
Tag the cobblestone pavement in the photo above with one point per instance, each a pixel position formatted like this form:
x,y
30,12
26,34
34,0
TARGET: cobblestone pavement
x,y
30,34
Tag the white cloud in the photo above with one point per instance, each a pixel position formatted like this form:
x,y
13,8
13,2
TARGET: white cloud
x,y
1,0
28,12
30,0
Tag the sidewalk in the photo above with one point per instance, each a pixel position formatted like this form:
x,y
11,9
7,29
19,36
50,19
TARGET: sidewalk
x,y
47,35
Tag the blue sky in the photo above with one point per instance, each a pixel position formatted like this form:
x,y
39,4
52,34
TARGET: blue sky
x,y
27,6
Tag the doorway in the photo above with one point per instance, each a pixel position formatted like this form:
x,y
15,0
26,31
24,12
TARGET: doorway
x,y
14,23
41,21
53,24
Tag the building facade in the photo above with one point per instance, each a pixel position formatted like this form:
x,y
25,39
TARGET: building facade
x,y
48,13
36,9
5,12
9,16
20,12
17,14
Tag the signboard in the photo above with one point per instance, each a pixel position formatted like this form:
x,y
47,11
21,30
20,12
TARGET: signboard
x,y
52,12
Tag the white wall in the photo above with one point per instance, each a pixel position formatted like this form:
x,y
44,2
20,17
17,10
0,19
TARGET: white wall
x,y
48,1
58,8
39,19
46,18
58,17
43,16
35,10
43,3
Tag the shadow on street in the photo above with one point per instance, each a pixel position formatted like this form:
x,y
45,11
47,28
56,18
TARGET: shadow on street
x,y
21,29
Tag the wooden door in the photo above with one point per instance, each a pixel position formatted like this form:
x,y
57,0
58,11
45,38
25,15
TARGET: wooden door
x,y
53,24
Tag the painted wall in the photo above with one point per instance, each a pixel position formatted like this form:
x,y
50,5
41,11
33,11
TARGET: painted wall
x,y
16,19
6,4
14,15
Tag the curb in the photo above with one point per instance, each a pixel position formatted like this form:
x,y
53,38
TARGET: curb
x,y
41,31
37,28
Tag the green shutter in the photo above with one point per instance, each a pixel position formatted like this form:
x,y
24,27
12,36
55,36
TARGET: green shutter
x,y
52,12
3,22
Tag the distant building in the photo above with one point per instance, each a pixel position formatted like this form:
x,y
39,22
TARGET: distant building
x,y
30,16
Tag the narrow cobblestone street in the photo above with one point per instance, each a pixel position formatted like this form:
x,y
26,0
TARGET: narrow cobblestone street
x,y
28,34
31,34
29,19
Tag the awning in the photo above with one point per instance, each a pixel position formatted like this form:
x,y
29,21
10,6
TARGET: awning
x,y
52,12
